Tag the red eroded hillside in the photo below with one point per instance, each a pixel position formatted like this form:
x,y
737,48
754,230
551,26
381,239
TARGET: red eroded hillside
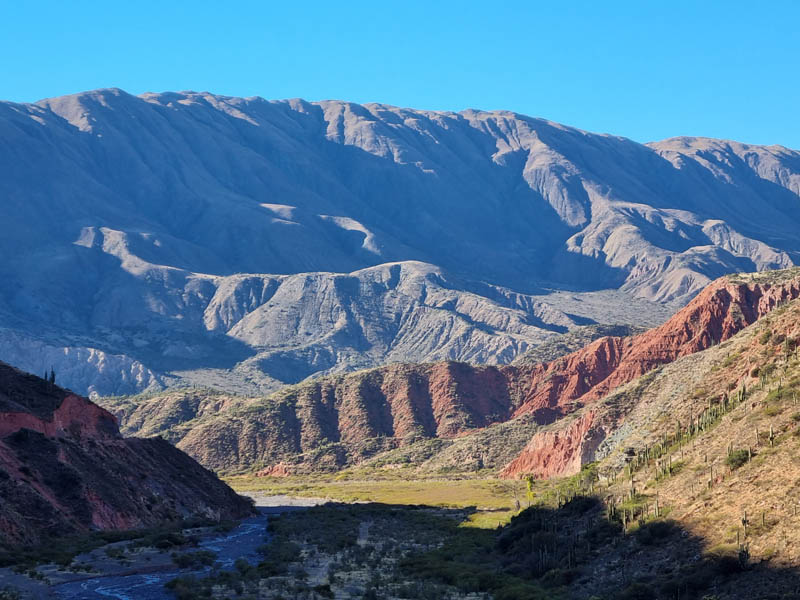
x,y
716,314
65,468
724,308
340,420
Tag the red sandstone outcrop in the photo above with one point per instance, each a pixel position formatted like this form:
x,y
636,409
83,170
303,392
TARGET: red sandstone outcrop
x,y
561,451
279,470
64,468
76,417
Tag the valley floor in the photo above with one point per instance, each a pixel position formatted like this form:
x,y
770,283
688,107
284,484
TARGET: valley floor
x,y
139,564
467,538
445,539
491,501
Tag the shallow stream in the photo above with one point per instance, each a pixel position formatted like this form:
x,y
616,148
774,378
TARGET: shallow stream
x,y
240,542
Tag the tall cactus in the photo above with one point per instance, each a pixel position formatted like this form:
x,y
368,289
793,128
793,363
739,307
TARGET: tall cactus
x,y
745,523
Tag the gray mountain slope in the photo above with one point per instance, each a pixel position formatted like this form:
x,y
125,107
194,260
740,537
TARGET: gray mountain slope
x,y
249,243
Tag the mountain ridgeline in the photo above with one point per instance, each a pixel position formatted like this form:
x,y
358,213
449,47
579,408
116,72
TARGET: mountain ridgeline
x,y
514,419
244,244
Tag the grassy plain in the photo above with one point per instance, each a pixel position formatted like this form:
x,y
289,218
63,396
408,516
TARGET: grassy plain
x,y
492,499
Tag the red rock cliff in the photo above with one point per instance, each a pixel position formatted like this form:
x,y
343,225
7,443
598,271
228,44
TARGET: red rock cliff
x,y
64,468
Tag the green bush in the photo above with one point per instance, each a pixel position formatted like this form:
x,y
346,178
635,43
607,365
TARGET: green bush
x,y
169,540
188,588
737,458
201,558
324,590
116,552
9,593
638,591
780,395
558,577
727,559
769,369
655,531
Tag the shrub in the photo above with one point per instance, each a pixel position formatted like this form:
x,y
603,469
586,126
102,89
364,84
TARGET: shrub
x,y
324,590
655,531
169,540
241,565
767,370
558,577
729,360
764,339
279,555
225,526
186,560
115,552
728,559
370,594
186,588
780,395
736,459
9,593
580,505
638,591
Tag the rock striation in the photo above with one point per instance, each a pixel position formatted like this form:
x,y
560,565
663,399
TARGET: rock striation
x,y
65,469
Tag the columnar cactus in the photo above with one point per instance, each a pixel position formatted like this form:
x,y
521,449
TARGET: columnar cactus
x,y
745,523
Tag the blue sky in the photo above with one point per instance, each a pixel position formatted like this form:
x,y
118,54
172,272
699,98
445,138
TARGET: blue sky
x,y
643,69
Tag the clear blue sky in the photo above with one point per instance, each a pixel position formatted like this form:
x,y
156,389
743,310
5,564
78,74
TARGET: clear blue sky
x,y
645,69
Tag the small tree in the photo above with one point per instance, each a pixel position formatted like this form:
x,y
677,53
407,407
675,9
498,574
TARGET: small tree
x,y
529,484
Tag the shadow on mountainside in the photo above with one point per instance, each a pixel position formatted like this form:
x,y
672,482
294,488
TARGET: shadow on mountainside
x,y
575,551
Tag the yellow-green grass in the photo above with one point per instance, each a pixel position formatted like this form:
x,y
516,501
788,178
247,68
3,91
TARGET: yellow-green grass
x,y
493,499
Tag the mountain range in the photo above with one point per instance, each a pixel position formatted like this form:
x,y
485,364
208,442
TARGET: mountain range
x,y
540,418
243,244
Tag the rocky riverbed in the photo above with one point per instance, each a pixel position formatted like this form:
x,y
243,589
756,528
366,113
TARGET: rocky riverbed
x,y
125,571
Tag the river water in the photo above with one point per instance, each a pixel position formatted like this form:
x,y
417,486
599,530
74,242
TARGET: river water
x,y
240,542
